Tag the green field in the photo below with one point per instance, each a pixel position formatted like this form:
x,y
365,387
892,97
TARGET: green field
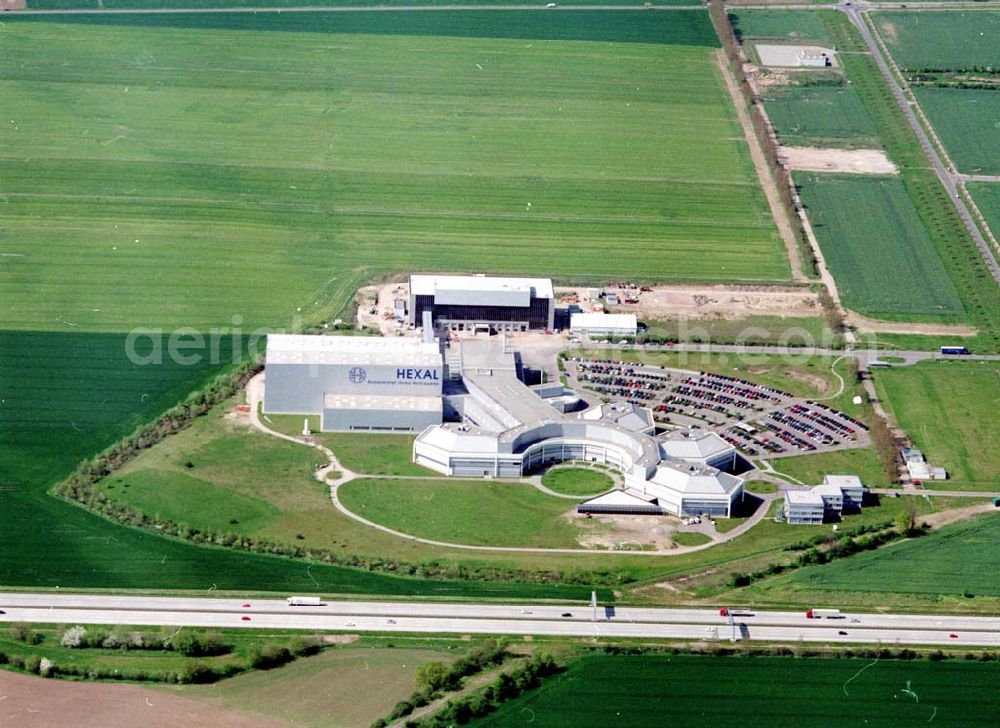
x,y
172,4
465,512
949,411
876,246
577,481
954,561
810,469
941,39
965,120
779,24
987,198
820,116
684,690
241,170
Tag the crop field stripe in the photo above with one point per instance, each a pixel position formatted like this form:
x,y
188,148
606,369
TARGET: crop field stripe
x,y
876,246
966,122
685,690
941,39
675,27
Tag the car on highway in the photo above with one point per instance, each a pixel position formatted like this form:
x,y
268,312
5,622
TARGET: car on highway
x,y
246,605
953,636
842,633
349,624
390,621
245,618
567,614
525,611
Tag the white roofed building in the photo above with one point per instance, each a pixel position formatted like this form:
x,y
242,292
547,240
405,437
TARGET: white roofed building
x,y
603,324
699,447
804,507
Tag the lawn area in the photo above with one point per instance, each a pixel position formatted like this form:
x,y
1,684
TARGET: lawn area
x,y
689,539
795,25
965,120
824,116
810,469
465,512
949,411
951,39
952,561
877,247
334,688
749,330
577,481
688,690
303,154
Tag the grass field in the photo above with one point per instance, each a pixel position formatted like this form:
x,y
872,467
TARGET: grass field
x,y
683,690
951,39
779,24
954,561
752,329
331,689
949,410
577,481
965,120
810,469
877,247
483,514
820,116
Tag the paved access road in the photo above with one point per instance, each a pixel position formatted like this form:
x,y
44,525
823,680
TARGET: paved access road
x,y
415,617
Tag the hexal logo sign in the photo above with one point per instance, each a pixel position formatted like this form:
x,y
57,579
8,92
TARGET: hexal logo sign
x,y
357,375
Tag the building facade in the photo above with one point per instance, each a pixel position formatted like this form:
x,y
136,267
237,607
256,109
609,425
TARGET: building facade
x,y
482,303
355,382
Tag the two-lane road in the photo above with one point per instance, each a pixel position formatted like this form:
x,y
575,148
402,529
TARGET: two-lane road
x,y
416,617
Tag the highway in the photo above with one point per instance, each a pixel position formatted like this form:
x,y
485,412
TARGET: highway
x,y
415,617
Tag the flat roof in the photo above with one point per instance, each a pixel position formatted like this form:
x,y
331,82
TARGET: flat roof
x,y
381,402
843,481
430,284
804,498
603,321
360,350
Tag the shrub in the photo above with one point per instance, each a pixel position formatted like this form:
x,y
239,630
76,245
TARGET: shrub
x,y
303,646
269,656
32,663
74,637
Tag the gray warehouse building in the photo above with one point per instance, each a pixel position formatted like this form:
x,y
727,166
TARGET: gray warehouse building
x,y
355,382
482,303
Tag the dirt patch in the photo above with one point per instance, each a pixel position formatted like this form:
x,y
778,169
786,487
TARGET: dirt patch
x,y
813,380
27,701
340,639
888,31
865,324
13,4
943,518
710,302
625,532
848,161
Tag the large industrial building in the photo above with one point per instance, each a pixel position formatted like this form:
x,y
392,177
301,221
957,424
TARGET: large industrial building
x,y
482,303
508,430
826,501
355,382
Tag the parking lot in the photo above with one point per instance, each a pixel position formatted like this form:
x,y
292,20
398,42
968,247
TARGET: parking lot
x,y
760,421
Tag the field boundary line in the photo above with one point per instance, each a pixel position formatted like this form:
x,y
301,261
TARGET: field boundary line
x,y
767,181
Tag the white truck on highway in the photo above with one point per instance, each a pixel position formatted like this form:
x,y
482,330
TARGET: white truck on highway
x,y
827,613
305,602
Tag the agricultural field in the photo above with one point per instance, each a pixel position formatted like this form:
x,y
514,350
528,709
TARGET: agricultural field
x,y
945,39
782,25
965,120
304,154
822,115
877,247
987,198
949,562
949,411
577,481
688,690
465,512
